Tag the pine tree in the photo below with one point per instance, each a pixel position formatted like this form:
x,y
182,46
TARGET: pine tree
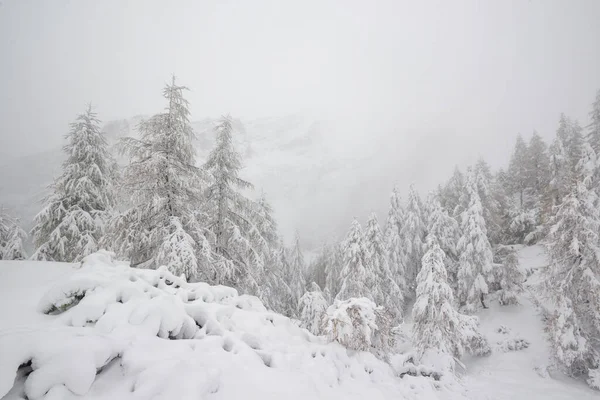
x,y
451,196
387,293
333,271
438,327
510,277
518,172
475,261
358,276
447,233
295,274
393,241
236,223
71,224
162,225
491,209
412,234
12,237
538,175
593,135
572,280
312,308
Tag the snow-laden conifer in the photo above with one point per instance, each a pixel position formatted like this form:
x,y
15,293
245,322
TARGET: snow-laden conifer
x,y
393,241
387,293
412,235
12,238
572,280
358,277
509,276
162,223
72,221
312,308
475,265
333,270
295,277
447,233
439,331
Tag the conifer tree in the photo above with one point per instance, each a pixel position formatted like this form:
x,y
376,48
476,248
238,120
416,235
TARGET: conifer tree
x,y
593,135
277,295
387,293
475,260
394,243
451,198
312,308
333,270
71,223
12,237
412,234
295,274
572,280
509,278
518,172
358,276
162,225
438,328
447,233
236,223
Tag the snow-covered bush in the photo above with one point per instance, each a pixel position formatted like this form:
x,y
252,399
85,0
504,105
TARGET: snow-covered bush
x,y
312,308
354,324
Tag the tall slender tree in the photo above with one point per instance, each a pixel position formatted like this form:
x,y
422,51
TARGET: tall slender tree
x,y
413,234
72,221
358,276
393,241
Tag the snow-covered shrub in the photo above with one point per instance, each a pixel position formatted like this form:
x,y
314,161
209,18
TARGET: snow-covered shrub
x,y
512,344
312,308
353,324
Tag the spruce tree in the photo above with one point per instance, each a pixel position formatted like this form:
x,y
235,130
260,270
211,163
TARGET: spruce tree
x,y
333,270
236,223
72,221
358,276
393,241
295,275
475,267
412,235
312,308
572,281
593,135
438,329
387,293
12,238
447,233
162,225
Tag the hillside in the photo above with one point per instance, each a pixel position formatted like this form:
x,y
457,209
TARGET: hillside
x,y
115,344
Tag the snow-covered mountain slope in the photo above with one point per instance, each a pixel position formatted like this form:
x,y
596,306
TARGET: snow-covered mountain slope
x,y
140,334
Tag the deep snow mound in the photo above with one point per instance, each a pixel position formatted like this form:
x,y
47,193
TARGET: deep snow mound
x,y
105,330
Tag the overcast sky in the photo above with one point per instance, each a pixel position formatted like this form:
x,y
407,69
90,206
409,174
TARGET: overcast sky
x,y
446,81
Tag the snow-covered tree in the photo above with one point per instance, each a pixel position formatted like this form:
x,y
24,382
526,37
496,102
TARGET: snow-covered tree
x,y
451,194
438,328
387,293
491,209
358,324
518,172
295,277
236,223
572,280
358,276
393,241
333,270
475,266
509,276
72,221
276,293
161,224
312,308
12,237
446,232
593,135
412,235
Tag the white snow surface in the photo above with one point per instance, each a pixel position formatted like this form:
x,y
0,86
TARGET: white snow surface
x,y
144,334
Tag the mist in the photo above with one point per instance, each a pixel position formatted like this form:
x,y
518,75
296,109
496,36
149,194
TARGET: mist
x,y
407,90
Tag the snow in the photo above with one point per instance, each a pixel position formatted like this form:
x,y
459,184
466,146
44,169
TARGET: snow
x,y
144,334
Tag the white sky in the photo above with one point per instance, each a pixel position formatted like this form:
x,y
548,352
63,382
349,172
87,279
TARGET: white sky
x,y
443,80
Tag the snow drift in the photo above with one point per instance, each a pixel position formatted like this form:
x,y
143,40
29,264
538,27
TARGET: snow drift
x,y
104,330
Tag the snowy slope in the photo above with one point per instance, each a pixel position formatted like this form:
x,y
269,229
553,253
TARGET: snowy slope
x,y
144,334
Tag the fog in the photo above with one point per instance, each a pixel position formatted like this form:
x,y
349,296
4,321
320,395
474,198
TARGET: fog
x,y
424,85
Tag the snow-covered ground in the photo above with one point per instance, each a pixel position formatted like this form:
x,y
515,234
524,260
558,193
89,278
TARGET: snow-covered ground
x,y
140,334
